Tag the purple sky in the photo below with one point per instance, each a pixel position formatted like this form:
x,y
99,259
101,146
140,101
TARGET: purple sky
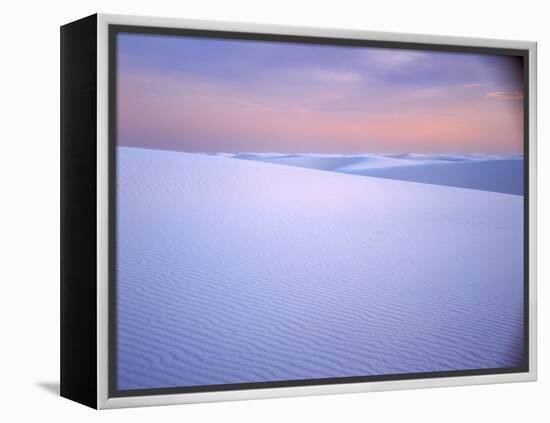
x,y
212,95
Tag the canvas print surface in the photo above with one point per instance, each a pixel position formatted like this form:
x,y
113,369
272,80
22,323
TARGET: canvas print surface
x,y
297,211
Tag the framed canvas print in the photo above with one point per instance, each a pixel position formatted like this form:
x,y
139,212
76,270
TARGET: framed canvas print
x,y
253,211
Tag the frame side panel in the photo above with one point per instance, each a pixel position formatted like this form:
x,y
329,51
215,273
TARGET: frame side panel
x,y
78,211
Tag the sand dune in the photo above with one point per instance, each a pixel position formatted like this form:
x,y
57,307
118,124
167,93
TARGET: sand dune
x,y
504,176
432,158
334,162
498,173
240,271
375,162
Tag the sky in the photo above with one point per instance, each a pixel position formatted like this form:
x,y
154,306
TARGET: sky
x,y
219,95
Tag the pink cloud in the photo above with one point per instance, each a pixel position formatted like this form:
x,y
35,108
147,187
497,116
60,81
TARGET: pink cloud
x,y
505,95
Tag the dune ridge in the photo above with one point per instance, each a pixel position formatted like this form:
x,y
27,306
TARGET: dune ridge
x,y
488,172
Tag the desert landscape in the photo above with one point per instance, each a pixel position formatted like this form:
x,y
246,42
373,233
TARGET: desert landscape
x,y
298,210
237,270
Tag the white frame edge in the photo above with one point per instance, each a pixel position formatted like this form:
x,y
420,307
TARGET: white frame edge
x,y
103,400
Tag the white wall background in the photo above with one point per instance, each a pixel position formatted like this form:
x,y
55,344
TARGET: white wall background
x,y
29,182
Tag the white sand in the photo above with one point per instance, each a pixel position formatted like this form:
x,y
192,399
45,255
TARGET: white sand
x,y
238,271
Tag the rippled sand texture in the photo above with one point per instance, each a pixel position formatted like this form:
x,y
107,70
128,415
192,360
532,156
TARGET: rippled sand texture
x,y
244,271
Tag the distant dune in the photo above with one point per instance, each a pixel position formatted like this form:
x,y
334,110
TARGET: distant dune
x,y
334,162
305,160
504,176
498,173
242,271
